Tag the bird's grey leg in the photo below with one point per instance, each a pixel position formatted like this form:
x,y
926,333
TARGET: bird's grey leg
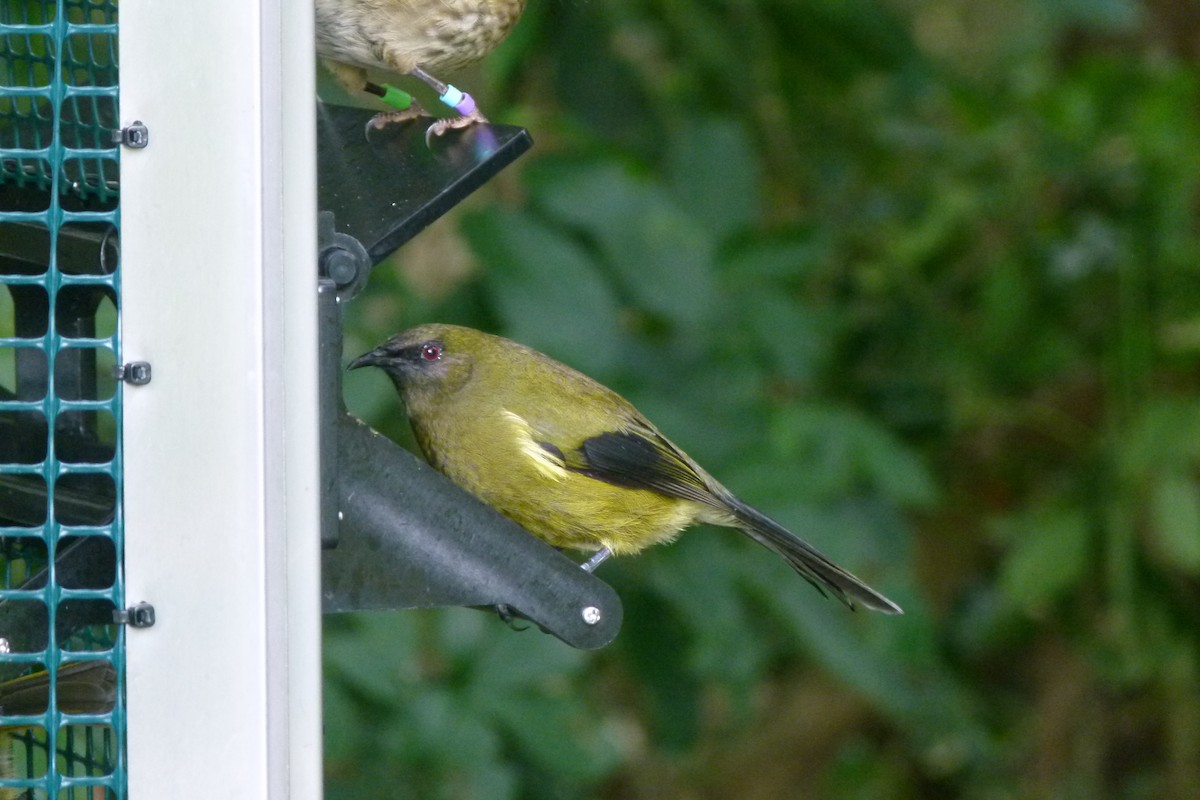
x,y
597,558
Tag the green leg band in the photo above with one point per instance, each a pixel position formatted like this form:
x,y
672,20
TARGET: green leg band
x,y
397,98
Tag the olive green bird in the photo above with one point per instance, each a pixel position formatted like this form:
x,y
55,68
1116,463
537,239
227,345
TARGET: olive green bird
x,y
568,459
412,37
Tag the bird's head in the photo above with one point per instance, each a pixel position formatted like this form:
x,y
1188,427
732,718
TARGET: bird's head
x,y
428,362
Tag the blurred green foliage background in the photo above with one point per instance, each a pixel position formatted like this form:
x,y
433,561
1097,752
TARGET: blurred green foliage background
x,y
919,278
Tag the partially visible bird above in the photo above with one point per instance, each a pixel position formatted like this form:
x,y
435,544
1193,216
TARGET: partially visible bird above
x,y
568,459
412,37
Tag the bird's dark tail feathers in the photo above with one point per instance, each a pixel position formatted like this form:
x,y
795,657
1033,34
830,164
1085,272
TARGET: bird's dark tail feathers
x,y
812,566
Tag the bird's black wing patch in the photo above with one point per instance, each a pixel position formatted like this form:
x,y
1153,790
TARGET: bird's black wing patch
x,y
639,461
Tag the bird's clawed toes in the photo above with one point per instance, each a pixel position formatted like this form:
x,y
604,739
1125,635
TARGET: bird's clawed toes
x,y
440,126
509,616
453,123
385,118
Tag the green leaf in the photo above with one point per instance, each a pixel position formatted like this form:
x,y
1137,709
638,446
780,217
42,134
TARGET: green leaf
x,y
654,642
508,663
661,254
714,173
557,734
1047,557
465,751
923,696
776,259
841,449
798,339
373,651
547,289
1176,513
1165,434
698,578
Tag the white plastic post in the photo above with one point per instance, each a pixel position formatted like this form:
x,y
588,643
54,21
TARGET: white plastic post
x,y
218,260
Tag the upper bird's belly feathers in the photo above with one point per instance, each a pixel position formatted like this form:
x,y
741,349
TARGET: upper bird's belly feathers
x,y
397,35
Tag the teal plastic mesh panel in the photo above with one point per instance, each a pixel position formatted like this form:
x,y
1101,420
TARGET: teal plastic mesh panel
x,y
62,664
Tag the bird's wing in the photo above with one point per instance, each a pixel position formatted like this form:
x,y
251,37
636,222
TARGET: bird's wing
x,y
638,458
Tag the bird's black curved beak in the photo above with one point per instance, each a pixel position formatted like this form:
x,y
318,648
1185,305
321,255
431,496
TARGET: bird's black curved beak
x,y
371,359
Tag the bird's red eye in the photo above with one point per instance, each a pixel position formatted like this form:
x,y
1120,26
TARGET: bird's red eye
x,y
431,352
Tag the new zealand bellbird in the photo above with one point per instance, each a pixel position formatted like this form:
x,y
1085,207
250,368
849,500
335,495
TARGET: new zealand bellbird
x,y
568,459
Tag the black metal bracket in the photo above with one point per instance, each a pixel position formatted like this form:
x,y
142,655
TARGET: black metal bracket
x,y
135,373
135,136
384,190
412,539
139,615
397,534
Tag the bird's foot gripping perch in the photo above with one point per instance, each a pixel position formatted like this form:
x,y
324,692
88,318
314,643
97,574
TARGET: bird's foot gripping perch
x,y
452,97
408,108
511,617
454,123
